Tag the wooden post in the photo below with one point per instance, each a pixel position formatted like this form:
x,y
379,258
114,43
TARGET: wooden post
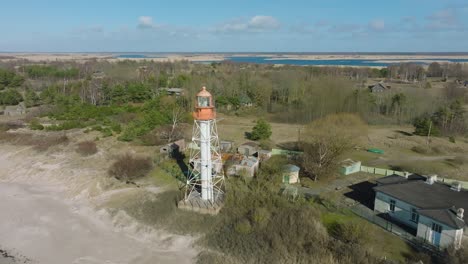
x,y
429,133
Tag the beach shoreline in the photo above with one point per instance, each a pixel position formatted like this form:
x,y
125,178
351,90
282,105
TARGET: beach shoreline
x,y
217,57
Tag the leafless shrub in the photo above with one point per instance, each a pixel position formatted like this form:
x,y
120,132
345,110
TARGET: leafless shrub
x,y
460,160
35,112
11,125
86,148
44,143
126,118
420,149
129,167
40,143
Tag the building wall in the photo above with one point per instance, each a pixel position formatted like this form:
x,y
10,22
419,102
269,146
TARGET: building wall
x,y
247,150
448,236
424,226
402,210
249,171
293,176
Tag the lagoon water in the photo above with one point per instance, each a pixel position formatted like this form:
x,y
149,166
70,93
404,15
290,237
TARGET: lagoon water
x,y
343,62
331,62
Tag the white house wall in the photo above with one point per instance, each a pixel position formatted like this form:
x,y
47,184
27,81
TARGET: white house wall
x,y
448,234
402,210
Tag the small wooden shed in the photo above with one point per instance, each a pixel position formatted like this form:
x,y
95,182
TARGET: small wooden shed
x,y
291,174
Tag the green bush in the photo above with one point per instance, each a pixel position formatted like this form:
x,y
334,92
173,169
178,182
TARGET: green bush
x,y
261,131
10,97
243,227
35,125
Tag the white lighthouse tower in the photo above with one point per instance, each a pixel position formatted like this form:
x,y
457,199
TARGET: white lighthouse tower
x,y
206,176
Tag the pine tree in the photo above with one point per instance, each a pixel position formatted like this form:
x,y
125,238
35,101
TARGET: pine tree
x,y
261,131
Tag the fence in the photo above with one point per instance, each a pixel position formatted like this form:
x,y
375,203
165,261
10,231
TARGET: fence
x,y
387,172
380,171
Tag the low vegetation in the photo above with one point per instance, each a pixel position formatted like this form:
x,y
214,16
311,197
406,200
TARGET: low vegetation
x,y
39,142
86,148
129,167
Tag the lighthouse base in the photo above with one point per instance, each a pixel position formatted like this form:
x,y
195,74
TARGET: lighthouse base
x,y
201,206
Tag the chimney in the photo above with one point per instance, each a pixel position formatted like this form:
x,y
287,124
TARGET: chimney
x,y
431,179
460,213
456,186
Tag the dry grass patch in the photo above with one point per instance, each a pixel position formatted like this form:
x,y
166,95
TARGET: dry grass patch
x,y
86,148
39,142
128,167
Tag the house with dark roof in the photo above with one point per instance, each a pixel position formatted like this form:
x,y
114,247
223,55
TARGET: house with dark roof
x,y
435,211
379,87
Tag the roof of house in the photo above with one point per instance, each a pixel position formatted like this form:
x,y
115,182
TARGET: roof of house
x,y
379,85
348,162
426,197
251,144
394,178
249,161
291,168
447,216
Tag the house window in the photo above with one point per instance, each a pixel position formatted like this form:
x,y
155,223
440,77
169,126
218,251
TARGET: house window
x,y
414,215
436,228
392,205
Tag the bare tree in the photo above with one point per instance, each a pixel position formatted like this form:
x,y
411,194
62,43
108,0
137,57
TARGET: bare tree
x,y
326,139
177,117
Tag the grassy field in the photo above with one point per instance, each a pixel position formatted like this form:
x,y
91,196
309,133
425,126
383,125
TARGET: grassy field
x,y
402,149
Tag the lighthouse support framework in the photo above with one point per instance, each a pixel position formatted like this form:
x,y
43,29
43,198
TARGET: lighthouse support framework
x,y
205,180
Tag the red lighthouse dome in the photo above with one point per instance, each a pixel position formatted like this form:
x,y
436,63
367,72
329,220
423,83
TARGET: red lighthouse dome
x,y
204,106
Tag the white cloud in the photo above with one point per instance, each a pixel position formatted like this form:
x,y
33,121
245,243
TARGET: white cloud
x,y
377,25
146,22
445,19
257,23
263,22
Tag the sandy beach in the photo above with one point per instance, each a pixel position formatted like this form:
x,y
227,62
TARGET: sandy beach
x,y
199,57
53,212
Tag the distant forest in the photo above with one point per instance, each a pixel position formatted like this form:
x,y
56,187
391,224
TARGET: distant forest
x,y
125,98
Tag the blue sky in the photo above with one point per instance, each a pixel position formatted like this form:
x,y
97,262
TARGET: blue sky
x,y
234,26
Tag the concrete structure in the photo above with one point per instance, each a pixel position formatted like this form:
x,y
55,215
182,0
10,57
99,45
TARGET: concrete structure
x,y
225,145
176,146
291,174
248,148
15,110
264,155
378,87
290,154
349,166
205,182
240,165
434,210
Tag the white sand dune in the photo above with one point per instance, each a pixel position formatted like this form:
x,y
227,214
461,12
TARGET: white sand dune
x,y
48,214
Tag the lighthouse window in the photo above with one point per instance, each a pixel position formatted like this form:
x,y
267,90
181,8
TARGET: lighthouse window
x,y
203,101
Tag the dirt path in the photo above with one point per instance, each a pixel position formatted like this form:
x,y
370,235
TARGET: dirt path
x,y
48,213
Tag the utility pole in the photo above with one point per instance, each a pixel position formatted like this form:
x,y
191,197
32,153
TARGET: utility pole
x,y
429,132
